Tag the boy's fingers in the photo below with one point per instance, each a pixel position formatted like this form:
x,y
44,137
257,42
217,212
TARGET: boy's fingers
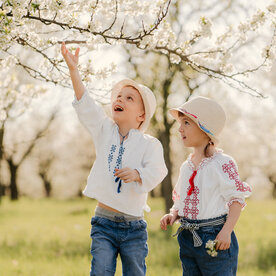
x,y
121,174
77,52
119,171
63,47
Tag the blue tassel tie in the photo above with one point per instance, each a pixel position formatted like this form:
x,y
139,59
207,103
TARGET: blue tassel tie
x,y
119,185
119,161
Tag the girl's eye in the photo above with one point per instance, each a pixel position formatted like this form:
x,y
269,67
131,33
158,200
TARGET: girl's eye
x,y
129,98
186,123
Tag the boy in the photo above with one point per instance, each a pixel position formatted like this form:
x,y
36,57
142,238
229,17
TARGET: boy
x,y
128,165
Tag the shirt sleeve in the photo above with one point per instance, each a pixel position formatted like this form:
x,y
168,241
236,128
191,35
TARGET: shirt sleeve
x,y
232,188
176,193
153,169
91,115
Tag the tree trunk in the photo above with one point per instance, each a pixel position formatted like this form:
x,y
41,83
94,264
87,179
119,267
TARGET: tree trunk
x,y
272,180
164,137
1,157
48,188
1,143
13,180
46,183
166,187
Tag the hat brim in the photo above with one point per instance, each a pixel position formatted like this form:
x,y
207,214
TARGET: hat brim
x,y
128,82
175,113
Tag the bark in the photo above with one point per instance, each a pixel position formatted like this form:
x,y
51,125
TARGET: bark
x,y
13,179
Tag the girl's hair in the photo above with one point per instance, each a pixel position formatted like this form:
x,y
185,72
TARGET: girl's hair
x,y
180,114
206,153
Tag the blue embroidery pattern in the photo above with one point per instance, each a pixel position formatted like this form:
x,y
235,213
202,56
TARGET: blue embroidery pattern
x,y
119,166
110,156
119,158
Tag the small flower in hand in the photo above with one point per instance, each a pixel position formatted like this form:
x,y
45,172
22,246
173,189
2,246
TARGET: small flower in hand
x,y
211,246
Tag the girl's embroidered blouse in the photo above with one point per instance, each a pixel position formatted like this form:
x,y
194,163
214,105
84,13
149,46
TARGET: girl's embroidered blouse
x,y
139,151
216,186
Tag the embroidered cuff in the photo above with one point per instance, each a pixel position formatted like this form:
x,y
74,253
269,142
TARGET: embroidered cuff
x,y
173,209
239,200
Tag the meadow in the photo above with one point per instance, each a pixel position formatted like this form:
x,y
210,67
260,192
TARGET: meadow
x,y
50,237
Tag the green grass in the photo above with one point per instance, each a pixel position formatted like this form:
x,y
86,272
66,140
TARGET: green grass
x,y
51,237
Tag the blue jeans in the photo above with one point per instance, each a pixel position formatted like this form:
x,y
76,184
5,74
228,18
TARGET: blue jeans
x,y
197,262
110,238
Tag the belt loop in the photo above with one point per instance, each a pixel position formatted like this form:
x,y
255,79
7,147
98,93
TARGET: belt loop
x,y
120,219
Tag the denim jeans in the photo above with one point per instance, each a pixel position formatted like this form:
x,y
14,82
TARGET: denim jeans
x,y
110,238
197,262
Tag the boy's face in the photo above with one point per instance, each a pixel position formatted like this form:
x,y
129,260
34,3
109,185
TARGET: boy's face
x,y
128,107
191,134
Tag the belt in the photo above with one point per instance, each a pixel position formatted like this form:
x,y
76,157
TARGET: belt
x,y
193,227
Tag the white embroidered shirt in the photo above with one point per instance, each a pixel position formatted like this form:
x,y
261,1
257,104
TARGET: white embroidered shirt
x,y
216,186
139,151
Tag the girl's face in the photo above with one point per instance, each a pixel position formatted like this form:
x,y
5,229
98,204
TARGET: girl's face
x,y
128,107
191,134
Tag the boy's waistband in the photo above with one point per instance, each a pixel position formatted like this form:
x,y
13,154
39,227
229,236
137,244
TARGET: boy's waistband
x,y
114,216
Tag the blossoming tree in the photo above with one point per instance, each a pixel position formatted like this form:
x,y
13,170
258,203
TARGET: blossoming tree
x,y
36,28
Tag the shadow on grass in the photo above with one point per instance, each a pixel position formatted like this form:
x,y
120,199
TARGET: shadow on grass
x,y
266,259
50,249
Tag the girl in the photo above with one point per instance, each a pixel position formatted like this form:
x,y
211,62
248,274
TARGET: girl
x,y
209,194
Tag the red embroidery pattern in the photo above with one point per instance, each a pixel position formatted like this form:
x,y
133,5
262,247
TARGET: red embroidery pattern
x,y
175,195
231,169
190,209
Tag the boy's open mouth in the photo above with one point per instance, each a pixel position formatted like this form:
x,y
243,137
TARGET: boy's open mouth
x,y
118,108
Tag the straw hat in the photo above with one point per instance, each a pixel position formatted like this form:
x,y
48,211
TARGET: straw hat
x,y
206,113
146,94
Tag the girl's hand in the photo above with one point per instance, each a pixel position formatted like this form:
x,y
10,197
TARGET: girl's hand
x,y
71,60
128,175
168,219
223,240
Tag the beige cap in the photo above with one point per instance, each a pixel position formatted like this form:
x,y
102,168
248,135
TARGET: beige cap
x,y
206,113
146,94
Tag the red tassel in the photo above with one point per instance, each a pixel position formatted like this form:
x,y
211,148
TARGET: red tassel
x,y
191,181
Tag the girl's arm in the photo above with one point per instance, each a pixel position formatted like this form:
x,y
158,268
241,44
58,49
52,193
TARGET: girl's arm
x,y
169,219
72,63
224,236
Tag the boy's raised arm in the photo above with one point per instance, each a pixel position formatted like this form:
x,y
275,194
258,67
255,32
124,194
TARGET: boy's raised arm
x,y
72,63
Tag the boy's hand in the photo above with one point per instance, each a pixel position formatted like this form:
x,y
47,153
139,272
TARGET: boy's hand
x,y
168,219
224,240
71,60
128,175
